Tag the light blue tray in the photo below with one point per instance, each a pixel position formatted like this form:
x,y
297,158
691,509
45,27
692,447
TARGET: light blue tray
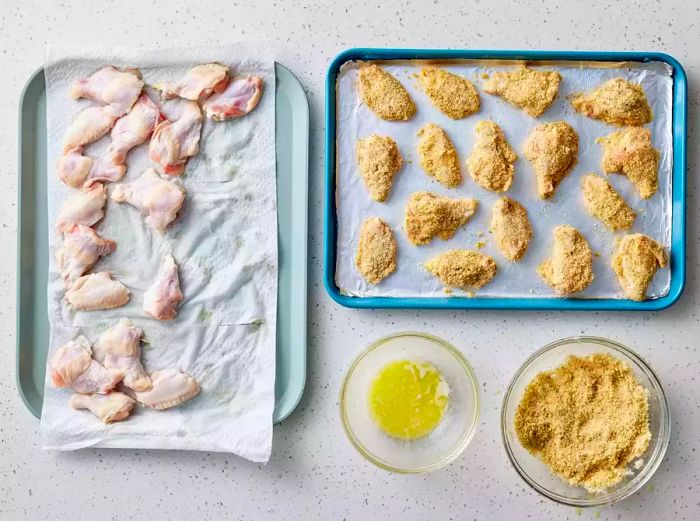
x,y
680,105
292,138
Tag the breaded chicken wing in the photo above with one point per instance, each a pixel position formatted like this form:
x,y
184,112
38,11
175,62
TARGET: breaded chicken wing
x,y
629,152
379,161
462,268
528,89
438,156
605,204
383,94
429,215
552,149
491,161
376,251
570,269
453,95
617,101
511,228
635,262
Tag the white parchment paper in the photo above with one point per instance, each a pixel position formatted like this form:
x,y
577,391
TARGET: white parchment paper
x,y
355,120
225,243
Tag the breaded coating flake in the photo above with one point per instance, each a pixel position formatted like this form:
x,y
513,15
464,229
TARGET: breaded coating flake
x,y
438,156
629,152
617,101
376,251
570,269
528,89
462,268
454,95
511,228
635,262
429,215
379,160
552,148
605,204
383,94
491,161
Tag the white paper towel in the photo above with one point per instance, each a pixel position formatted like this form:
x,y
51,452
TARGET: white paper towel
x,y
225,243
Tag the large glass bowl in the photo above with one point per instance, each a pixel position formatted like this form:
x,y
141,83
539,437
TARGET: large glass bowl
x,y
536,473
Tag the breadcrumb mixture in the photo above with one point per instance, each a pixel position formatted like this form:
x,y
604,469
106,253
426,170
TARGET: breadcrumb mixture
x,y
376,250
635,263
587,420
552,148
511,228
379,160
438,156
570,269
429,215
491,161
462,268
617,101
629,152
454,95
528,89
384,94
605,204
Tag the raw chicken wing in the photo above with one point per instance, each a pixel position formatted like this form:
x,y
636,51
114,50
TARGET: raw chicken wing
x,y
110,407
116,89
173,142
119,348
162,299
84,207
429,215
635,262
240,97
552,149
97,291
159,200
72,366
133,129
629,152
88,126
198,83
82,248
170,388
74,167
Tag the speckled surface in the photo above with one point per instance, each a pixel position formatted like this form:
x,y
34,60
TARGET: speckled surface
x,y
314,473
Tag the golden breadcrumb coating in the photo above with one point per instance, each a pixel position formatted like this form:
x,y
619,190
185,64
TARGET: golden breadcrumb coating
x,y
552,148
629,152
617,101
462,268
605,204
376,250
379,160
438,155
570,269
635,262
383,94
511,228
528,89
491,161
429,215
454,95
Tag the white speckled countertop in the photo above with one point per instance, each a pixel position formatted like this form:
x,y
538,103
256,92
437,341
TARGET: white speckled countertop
x,y
314,473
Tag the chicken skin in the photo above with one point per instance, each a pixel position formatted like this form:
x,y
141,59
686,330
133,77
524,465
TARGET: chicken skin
x,y
170,389
97,291
119,348
198,83
84,207
605,204
133,129
511,228
111,407
383,94
453,95
429,215
570,269
438,156
376,251
491,161
174,142
81,249
88,126
162,299
74,168
617,101
528,89
117,89
462,268
635,263
72,366
629,152
238,99
552,148
379,160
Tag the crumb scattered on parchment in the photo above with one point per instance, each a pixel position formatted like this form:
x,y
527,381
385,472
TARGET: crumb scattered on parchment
x,y
629,152
552,148
511,228
491,161
376,250
429,215
438,156
384,94
379,160
480,245
462,268
635,263
604,203
617,101
570,269
453,95
528,89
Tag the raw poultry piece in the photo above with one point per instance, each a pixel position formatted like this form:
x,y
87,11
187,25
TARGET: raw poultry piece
x,y
198,83
156,198
83,207
528,89
605,204
376,250
72,366
462,268
111,407
379,161
170,388
384,94
429,215
635,262
82,248
74,168
453,95
173,142
162,299
119,348
97,291
617,101
552,149
629,152
118,89
491,161
511,228
238,99
438,156
132,129
88,126
570,269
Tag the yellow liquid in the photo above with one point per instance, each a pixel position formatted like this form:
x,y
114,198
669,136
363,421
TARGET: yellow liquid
x,y
408,399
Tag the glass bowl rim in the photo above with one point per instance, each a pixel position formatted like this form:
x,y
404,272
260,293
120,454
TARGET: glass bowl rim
x,y
464,440
650,466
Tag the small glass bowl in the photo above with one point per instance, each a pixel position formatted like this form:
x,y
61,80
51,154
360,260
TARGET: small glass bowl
x,y
536,473
458,424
